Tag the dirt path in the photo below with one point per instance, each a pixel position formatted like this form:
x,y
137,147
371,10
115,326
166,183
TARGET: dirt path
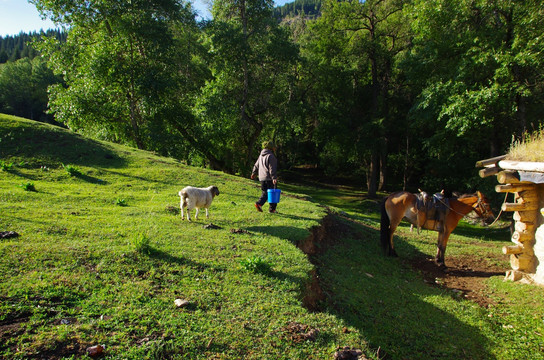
x,y
465,274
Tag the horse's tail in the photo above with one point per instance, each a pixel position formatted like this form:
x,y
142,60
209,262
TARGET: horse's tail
x,y
385,230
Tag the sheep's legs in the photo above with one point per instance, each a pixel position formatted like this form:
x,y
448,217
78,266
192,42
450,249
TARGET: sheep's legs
x,y
189,214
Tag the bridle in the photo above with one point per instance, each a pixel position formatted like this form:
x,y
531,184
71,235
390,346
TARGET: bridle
x,y
483,209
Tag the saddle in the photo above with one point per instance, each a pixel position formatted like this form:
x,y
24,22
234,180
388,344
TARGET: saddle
x,y
435,207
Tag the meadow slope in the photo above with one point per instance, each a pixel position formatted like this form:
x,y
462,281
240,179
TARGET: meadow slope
x,y
102,254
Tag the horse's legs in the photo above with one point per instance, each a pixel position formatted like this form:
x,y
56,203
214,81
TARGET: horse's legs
x,y
395,221
443,237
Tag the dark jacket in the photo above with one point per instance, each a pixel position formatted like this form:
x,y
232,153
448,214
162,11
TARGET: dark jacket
x,y
266,166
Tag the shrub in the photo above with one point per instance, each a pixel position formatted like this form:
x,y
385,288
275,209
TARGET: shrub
x,y
4,166
121,202
72,170
28,186
256,264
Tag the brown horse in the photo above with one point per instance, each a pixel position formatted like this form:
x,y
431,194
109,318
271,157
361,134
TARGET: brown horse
x,y
402,204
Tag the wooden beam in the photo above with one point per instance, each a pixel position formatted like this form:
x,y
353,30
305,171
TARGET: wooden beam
x,y
489,171
512,250
522,262
524,226
525,216
519,207
513,275
522,165
522,236
508,177
491,161
510,188
527,196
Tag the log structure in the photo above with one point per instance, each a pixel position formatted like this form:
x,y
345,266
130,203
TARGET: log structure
x,y
526,181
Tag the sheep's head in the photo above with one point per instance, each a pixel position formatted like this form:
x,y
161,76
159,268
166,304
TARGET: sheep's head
x,y
215,191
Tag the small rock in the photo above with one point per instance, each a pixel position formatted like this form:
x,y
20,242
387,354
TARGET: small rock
x,y
181,302
96,350
346,353
239,231
172,209
8,234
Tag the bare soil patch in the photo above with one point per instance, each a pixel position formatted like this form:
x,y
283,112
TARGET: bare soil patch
x,y
465,275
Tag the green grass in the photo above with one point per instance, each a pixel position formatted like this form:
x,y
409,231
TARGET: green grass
x,y
102,256
86,271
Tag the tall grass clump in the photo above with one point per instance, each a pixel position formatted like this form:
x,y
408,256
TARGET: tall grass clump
x,y
142,244
72,170
530,148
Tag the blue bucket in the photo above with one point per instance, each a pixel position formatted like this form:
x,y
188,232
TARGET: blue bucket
x,y
274,196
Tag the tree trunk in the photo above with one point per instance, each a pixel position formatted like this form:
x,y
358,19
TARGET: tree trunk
x,y
372,174
383,164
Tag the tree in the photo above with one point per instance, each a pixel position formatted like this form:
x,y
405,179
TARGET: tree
x,y
251,58
23,88
117,63
355,45
477,67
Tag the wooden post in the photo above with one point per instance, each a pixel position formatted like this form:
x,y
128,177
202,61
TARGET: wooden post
x,y
521,178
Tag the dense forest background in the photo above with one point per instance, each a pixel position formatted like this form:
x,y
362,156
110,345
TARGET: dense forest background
x,y
396,94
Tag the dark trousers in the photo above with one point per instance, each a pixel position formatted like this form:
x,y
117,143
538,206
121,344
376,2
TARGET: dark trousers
x,y
265,185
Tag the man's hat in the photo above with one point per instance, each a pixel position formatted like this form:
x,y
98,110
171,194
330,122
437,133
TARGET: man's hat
x,y
269,145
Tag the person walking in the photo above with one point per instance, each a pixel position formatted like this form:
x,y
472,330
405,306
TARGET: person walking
x,y
266,168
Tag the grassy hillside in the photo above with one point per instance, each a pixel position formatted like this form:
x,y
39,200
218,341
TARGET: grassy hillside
x,y
102,255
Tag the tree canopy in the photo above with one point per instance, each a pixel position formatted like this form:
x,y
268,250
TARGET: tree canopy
x,y
395,93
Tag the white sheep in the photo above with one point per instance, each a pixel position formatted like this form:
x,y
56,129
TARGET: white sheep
x,y
198,198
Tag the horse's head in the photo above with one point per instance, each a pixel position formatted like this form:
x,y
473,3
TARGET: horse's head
x,y
483,209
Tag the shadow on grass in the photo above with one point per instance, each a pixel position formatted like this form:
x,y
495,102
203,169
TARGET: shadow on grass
x,y
392,306
141,178
160,255
50,143
291,233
